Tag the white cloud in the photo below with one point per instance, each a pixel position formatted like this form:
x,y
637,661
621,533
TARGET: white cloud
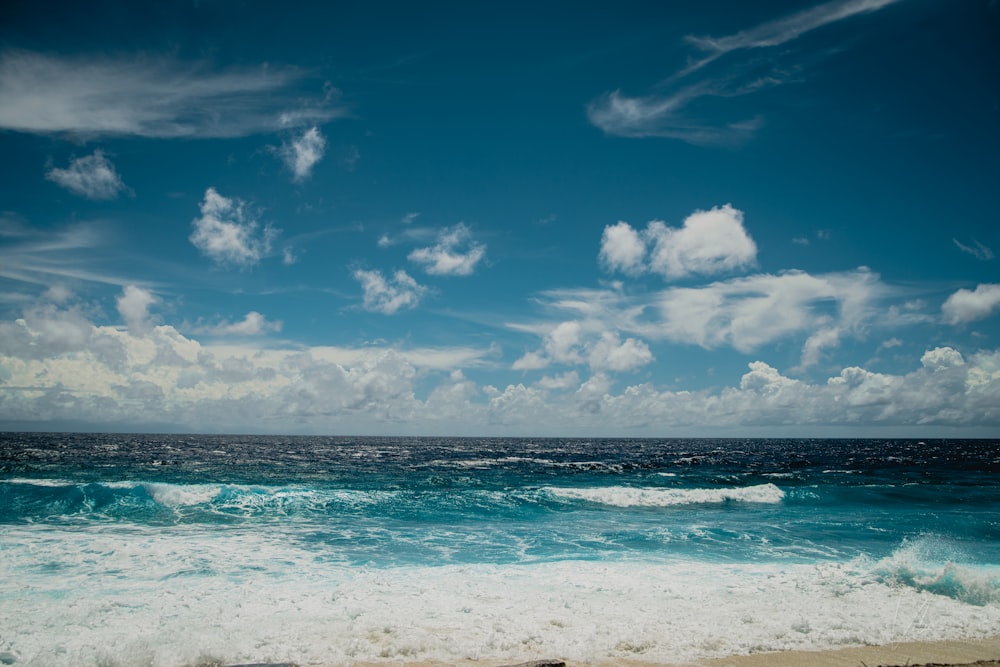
x,y
56,364
785,29
45,331
567,380
816,343
610,353
663,116
667,112
149,97
58,294
133,306
47,258
967,306
709,242
585,342
562,343
228,234
530,361
389,295
92,176
253,324
302,154
744,314
454,254
979,251
622,249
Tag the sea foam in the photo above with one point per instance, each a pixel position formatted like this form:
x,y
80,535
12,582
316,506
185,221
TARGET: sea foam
x,y
627,496
256,596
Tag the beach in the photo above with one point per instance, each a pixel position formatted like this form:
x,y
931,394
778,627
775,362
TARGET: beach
x,y
952,653
171,551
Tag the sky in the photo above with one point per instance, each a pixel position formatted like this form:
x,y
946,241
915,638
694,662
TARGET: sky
x,y
717,219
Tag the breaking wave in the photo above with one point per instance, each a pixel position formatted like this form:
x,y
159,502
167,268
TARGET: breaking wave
x,y
627,496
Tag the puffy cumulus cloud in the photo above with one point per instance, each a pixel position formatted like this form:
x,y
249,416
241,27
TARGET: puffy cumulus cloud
x,y
942,359
389,295
45,332
709,242
562,343
611,353
969,305
583,342
92,176
228,234
746,313
133,306
568,380
622,249
55,364
946,391
253,324
531,361
301,154
151,97
510,409
454,254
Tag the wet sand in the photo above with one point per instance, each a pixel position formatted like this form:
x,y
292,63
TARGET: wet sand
x,y
958,652
952,653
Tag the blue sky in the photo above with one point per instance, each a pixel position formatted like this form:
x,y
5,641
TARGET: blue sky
x,y
636,218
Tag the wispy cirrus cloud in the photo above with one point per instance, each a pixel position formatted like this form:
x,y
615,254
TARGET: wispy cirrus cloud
x,y
664,116
977,250
668,110
92,176
782,30
150,96
49,258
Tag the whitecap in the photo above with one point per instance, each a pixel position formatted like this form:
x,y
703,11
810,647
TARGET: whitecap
x,y
628,496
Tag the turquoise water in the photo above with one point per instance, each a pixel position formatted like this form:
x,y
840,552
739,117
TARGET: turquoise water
x,y
112,547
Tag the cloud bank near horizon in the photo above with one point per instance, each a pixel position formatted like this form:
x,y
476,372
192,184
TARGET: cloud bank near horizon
x,y
59,366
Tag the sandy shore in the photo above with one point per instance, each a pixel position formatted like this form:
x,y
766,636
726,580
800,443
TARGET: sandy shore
x,y
979,652
958,652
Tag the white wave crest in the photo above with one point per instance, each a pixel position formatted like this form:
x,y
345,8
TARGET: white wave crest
x,y
174,495
627,496
937,565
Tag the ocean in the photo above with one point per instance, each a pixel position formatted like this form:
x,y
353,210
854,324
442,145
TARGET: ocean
x,y
172,550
